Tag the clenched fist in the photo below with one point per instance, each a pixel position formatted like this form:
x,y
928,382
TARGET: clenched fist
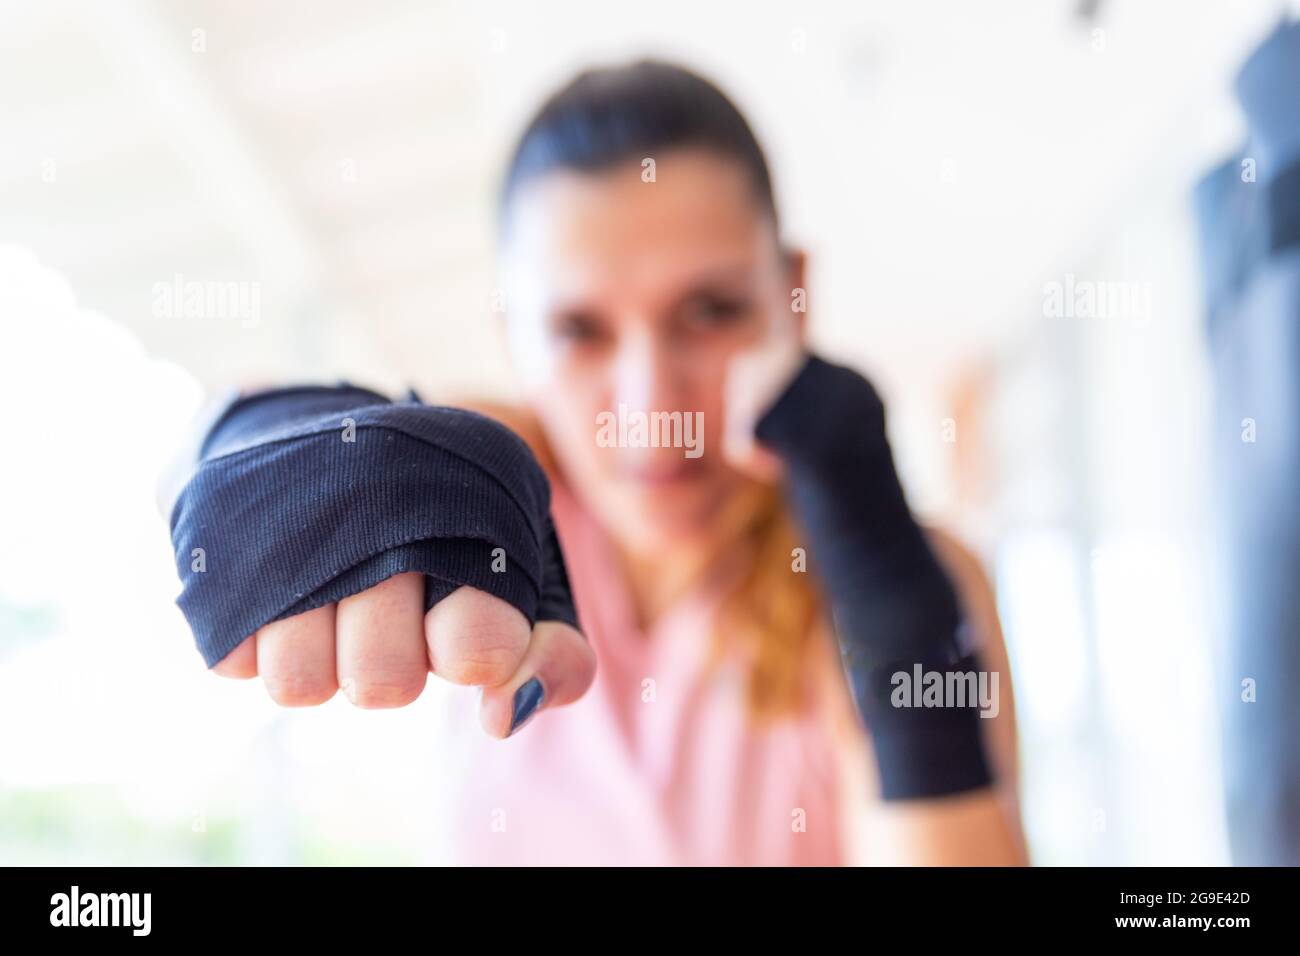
x,y
328,538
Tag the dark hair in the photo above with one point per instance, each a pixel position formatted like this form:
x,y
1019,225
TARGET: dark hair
x,y
609,115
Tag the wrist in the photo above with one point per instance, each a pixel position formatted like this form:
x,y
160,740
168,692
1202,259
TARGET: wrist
x,y
923,717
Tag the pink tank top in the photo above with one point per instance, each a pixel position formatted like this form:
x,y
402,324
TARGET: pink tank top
x,y
659,764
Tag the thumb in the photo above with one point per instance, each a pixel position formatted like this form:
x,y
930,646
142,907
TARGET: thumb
x,y
558,668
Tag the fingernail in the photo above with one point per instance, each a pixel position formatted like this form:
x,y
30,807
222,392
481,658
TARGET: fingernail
x,y
528,698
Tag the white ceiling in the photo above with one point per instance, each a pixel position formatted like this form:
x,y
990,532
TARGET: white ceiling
x,y
344,156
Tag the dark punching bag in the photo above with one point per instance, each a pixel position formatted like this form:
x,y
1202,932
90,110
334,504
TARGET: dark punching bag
x,y
1249,220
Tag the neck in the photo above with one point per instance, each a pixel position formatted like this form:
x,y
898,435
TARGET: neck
x,y
660,573
658,577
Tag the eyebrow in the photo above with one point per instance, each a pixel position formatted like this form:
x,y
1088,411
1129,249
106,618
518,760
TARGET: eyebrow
x,y
726,273
720,274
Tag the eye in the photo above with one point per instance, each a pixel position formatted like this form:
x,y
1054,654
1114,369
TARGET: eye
x,y
715,311
577,327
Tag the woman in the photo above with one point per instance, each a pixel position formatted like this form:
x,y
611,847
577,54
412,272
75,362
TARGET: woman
x,y
700,714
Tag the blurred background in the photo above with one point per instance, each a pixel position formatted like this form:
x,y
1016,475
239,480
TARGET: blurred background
x,y
951,167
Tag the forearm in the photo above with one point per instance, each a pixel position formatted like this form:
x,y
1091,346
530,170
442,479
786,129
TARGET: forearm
x,y
978,827
896,614
967,829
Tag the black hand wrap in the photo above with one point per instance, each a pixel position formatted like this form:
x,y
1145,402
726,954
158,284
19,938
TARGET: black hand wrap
x,y
893,606
304,496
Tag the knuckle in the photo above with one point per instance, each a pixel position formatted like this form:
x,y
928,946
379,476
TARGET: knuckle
x,y
481,664
234,670
585,669
298,691
377,694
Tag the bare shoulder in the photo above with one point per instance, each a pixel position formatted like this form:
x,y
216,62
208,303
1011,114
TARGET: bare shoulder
x,y
966,570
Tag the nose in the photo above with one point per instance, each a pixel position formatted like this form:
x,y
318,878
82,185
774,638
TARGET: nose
x,y
649,374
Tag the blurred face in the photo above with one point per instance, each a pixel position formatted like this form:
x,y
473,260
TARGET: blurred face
x,y
626,301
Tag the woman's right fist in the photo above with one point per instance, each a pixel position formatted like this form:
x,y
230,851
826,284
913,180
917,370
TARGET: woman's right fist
x,y
328,539
379,647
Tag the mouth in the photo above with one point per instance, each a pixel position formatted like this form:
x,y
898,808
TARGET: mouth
x,y
662,474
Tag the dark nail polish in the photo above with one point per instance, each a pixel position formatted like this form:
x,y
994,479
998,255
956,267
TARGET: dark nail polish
x,y
528,698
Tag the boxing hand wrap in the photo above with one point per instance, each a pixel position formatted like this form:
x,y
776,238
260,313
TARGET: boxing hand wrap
x,y
893,607
305,496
